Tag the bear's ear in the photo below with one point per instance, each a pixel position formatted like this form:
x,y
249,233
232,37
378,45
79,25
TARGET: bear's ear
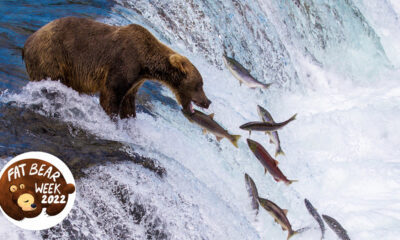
x,y
13,188
179,62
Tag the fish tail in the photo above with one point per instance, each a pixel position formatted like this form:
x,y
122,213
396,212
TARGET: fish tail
x,y
234,140
267,85
279,152
293,117
291,181
292,233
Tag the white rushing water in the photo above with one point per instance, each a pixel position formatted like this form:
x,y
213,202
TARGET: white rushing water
x,y
335,63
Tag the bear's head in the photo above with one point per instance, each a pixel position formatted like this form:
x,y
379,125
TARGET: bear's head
x,y
23,202
190,87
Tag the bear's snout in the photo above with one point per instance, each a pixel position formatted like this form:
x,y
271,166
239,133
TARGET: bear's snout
x,y
201,100
26,202
206,103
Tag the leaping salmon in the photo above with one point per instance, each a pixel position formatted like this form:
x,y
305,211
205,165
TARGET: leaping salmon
x,y
252,191
208,124
316,216
270,164
266,126
279,215
242,74
273,136
336,227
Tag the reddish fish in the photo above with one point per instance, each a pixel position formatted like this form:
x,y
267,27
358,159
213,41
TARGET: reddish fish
x,y
268,162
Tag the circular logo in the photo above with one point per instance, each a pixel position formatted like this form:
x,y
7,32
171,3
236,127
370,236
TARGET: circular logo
x,y
37,190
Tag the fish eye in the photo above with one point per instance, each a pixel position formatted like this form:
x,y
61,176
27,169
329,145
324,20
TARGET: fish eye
x,y
22,186
13,188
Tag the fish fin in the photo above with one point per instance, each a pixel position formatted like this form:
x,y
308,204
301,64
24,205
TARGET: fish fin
x,y
291,181
219,138
240,83
276,162
276,220
283,229
249,133
235,139
265,171
204,131
279,152
211,116
285,211
270,141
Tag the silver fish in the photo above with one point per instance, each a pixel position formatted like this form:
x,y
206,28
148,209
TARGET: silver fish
x,y
242,74
316,216
208,124
336,227
273,136
266,126
252,191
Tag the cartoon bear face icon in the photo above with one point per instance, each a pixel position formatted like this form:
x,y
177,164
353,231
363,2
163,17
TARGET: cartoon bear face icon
x,y
26,195
20,202
25,203
24,199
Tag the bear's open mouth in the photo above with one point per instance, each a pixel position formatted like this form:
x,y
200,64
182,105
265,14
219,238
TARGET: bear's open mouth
x,y
191,107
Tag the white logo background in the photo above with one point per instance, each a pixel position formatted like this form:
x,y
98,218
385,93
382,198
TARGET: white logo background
x,y
43,221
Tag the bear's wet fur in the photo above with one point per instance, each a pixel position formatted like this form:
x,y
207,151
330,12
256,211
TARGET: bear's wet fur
x,y
92,57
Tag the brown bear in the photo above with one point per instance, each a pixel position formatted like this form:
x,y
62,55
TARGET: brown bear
x,y
29,186
91,57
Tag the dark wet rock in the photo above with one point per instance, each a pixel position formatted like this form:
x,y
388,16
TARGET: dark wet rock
x,y
22,130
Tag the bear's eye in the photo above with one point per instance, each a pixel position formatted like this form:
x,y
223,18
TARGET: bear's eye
x,y
13,188
22,186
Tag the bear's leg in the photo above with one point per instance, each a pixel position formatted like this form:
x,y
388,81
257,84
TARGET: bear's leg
x,y
110,102
127,107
